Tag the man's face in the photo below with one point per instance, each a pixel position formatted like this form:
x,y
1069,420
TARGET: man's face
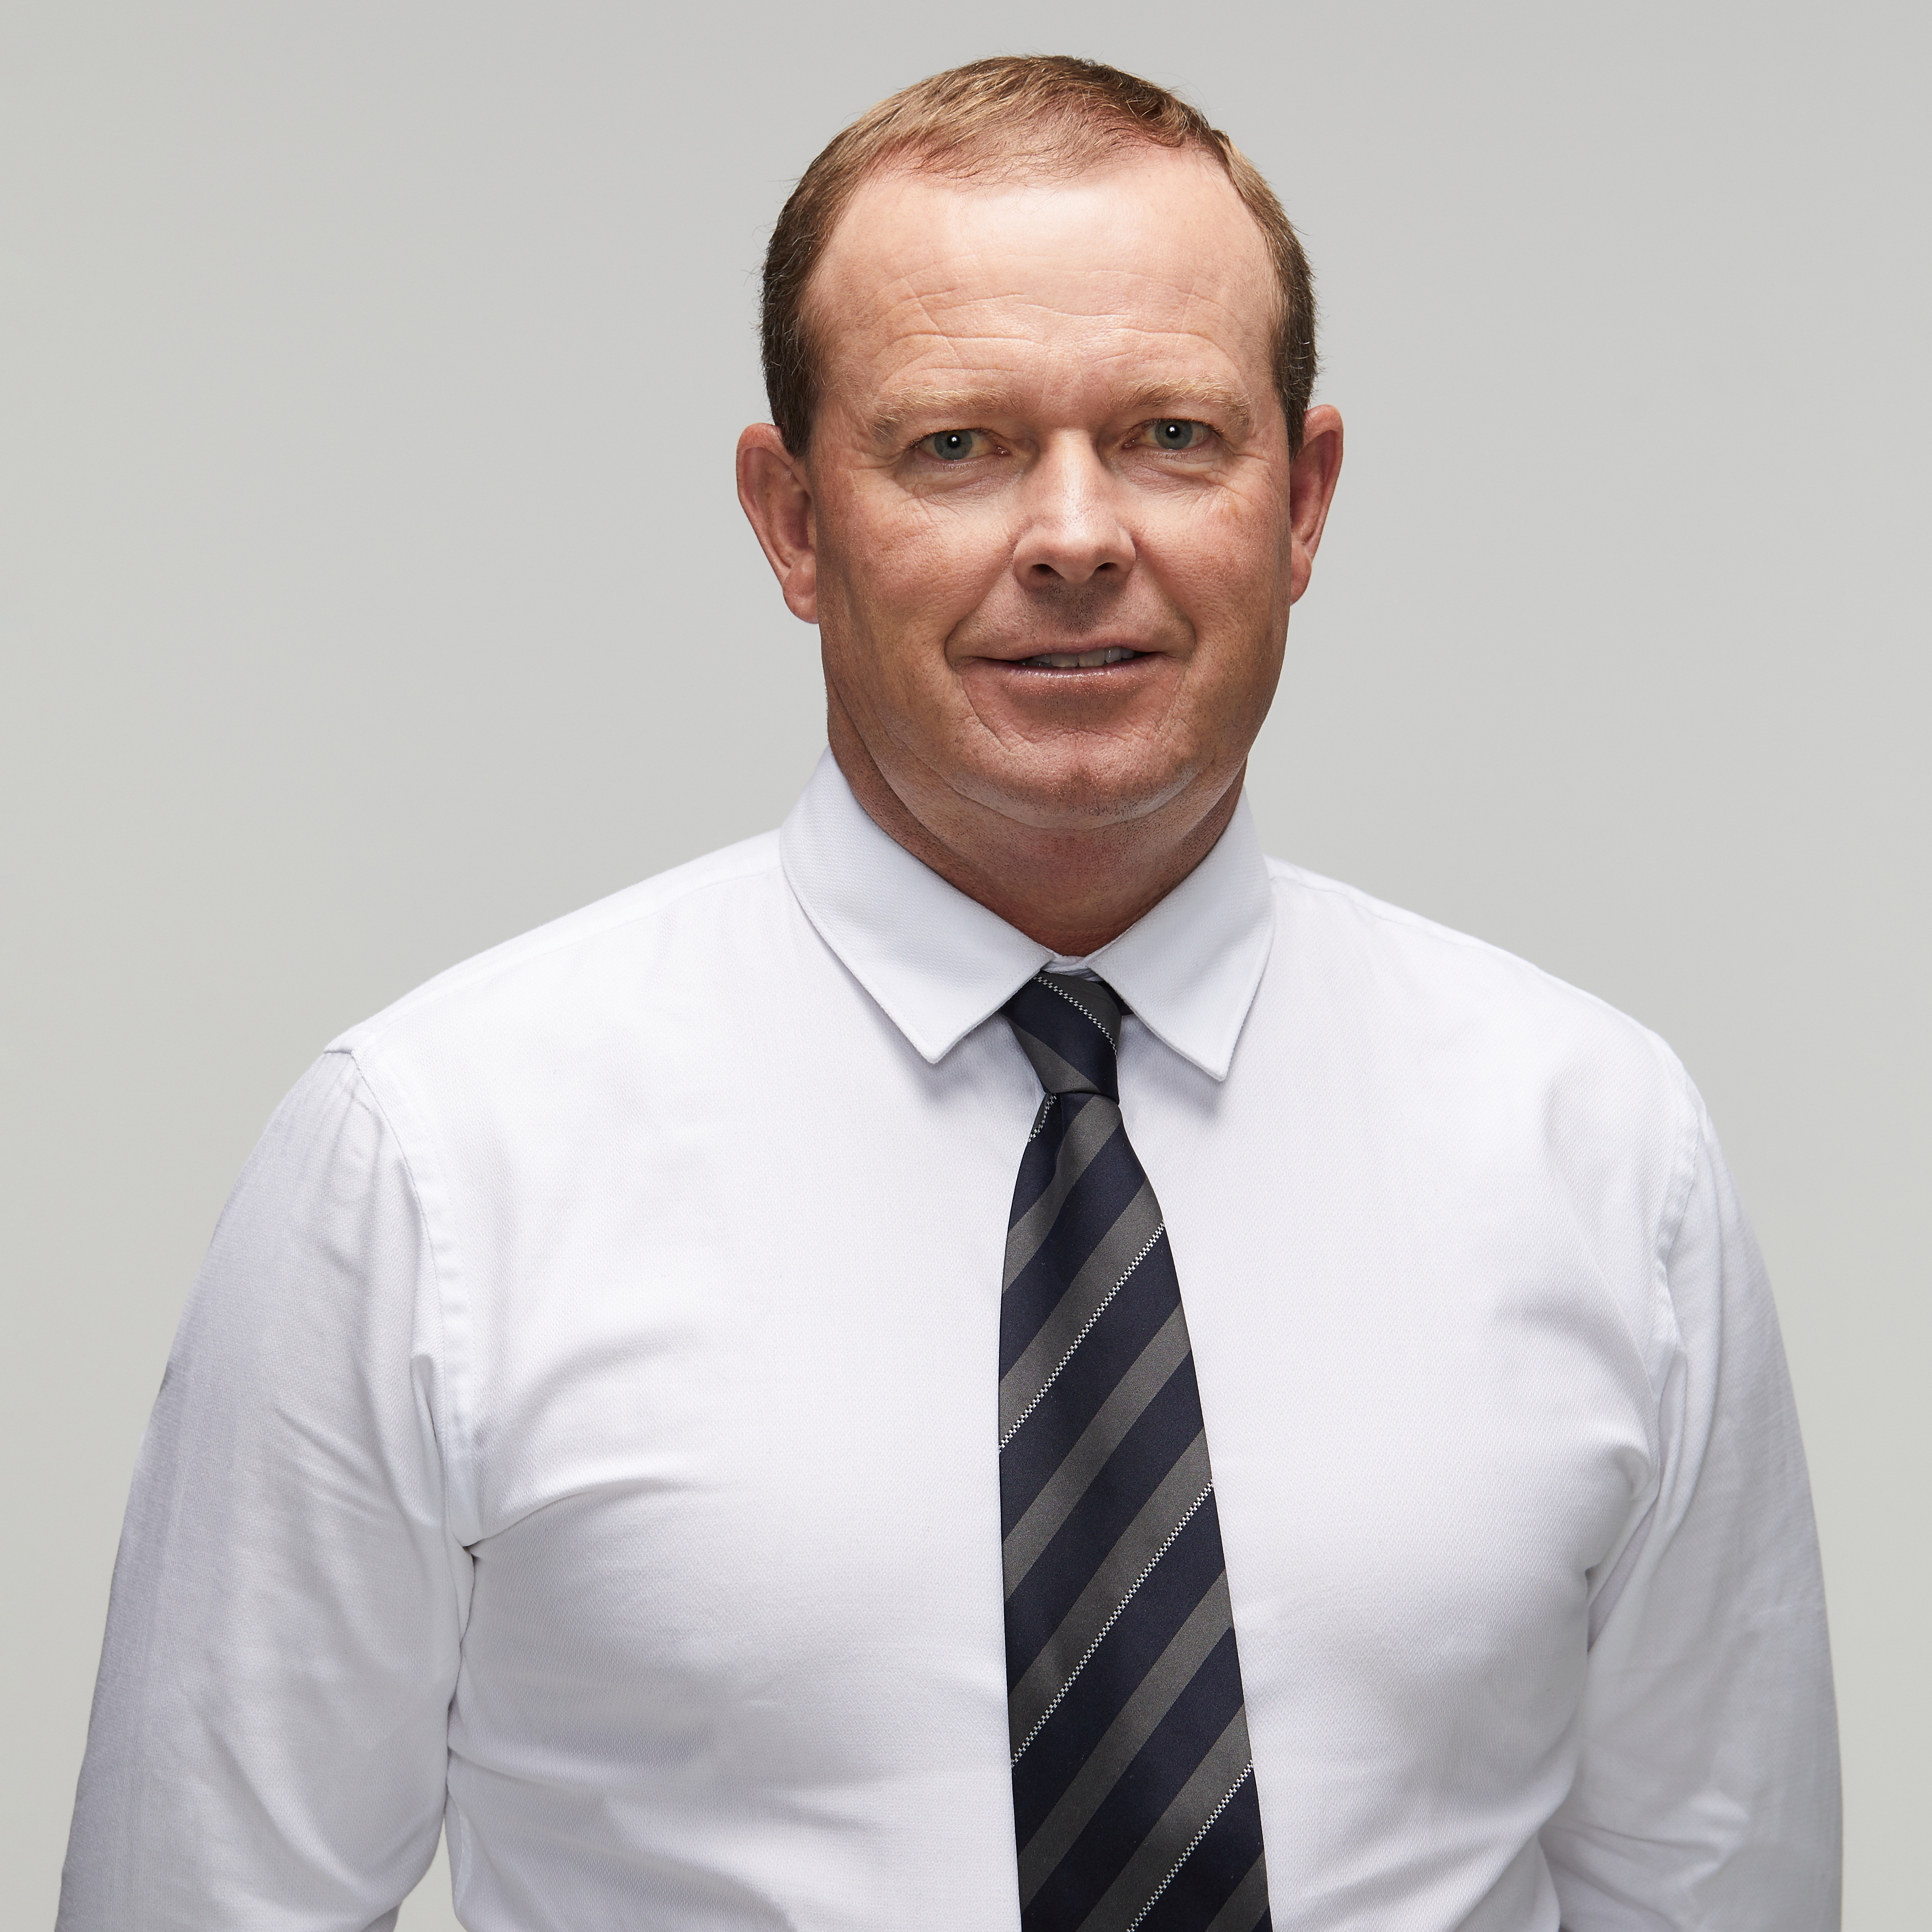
x,y
1051,540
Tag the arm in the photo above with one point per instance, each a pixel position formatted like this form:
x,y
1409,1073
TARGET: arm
x,y
268,1744
1707,1796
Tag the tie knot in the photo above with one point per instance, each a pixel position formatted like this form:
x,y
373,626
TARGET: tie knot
x,y
1069,1028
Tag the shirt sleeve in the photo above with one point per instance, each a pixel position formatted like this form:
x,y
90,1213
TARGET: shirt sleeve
x,y
1707,1796
269,1739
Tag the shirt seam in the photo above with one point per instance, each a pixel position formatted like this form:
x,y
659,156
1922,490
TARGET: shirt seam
x,y
455,1451
1671,1218
1677,1205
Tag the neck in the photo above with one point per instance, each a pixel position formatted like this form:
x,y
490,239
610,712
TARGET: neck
x,y
1072,890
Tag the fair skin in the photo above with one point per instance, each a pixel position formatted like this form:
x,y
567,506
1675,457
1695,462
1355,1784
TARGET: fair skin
x,y
1047,525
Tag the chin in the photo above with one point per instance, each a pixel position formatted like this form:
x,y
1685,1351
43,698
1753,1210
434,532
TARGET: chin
x,y
1081,795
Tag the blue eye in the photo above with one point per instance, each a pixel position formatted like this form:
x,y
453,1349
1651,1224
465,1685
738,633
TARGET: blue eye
x,y
1171,433
950,445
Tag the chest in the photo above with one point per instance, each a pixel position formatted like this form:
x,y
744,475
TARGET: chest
x,y
737,1426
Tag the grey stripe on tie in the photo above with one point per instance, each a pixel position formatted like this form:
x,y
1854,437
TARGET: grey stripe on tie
x,y
1089,1129
1115,1256
1086,1657
1056,1075
1154,1696
1150,1373
1165,1849
1246,1903
1118,1575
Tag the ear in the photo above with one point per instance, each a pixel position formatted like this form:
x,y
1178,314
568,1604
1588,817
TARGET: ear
x,y
1311,489
777,497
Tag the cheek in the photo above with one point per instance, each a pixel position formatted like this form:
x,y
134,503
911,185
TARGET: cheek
x,y
912,570
1226,565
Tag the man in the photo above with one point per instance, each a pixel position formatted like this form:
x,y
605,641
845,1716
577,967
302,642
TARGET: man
x,y
994,1358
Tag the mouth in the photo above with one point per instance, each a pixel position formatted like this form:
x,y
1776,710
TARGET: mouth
x,y
1094,660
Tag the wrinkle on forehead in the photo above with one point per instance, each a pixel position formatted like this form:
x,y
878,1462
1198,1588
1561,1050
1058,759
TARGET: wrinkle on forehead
x,y
1012,299
1153,260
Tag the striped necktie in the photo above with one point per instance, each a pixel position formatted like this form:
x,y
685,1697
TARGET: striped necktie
x,y
1133,1791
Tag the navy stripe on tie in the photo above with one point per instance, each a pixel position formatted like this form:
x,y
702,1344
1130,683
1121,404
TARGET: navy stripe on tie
x,y
1046,1021
1113,1344
1037,1163
1206,1879
1119,1662
1100,1198
1146,1788
1132,1473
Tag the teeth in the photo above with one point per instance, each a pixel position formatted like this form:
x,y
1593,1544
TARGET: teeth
x,y
1081,660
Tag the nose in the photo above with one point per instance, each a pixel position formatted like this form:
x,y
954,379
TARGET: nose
x,y
1072,531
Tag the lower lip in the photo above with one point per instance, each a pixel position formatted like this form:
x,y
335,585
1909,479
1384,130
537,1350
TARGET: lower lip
x,y
1077,671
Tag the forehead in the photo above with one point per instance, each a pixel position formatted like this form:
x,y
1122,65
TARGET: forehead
x,y
1147,268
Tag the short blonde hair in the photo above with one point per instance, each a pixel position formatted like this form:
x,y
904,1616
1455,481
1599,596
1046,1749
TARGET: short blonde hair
x,y
994,119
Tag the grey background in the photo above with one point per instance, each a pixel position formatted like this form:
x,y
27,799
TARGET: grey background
x,y
373,589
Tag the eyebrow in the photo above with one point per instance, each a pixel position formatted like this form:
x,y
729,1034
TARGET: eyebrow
x,y
960,407
907,406
1156,398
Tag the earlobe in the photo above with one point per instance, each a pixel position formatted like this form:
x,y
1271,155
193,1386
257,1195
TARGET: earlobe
x,y
776,497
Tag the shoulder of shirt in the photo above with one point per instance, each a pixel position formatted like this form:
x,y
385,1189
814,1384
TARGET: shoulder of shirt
x,y
588,930
1473,973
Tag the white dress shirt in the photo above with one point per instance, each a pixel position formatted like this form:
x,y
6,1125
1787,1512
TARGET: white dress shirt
x,y
583,1432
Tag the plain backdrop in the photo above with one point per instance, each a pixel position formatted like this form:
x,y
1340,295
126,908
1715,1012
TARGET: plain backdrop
x,y
373,589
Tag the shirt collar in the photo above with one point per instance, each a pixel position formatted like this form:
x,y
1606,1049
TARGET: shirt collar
x,y
939,963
